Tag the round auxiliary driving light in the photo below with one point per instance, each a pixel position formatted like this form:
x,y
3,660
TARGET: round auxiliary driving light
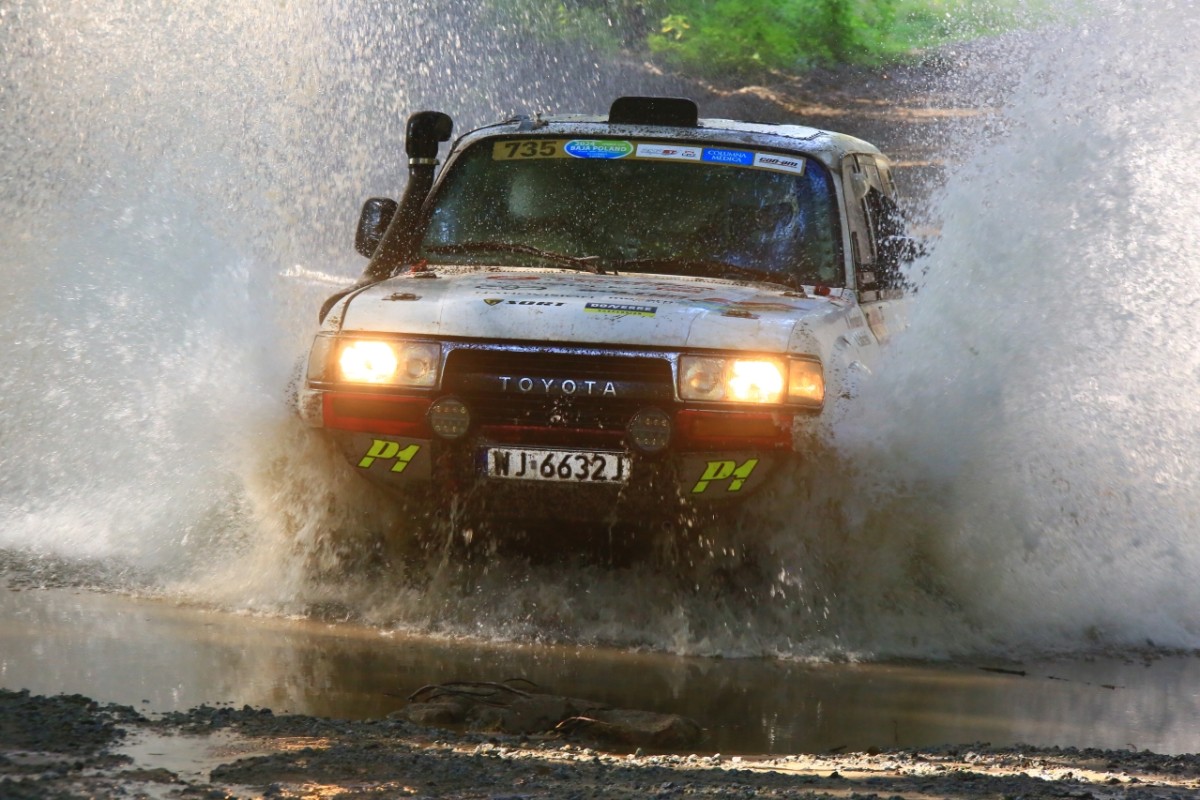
x,y
650,430
449,418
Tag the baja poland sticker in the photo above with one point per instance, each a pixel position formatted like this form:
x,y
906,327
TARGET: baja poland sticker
x,y
597,148
620,308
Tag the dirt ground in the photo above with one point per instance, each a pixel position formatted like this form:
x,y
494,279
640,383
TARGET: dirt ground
x,y
72,747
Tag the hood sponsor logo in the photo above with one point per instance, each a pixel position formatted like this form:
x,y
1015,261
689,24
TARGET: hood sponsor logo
x,y
719,156
557,386
735,308
597,148
779,163
621,308
496,301
668,151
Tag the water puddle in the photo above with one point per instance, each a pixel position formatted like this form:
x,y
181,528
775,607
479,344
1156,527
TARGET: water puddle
x,y
158,656
190,758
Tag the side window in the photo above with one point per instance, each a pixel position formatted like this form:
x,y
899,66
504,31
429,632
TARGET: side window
x,y
876,225
887,230
862,244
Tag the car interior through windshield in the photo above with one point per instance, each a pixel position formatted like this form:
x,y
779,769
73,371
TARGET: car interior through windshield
x,y
638,215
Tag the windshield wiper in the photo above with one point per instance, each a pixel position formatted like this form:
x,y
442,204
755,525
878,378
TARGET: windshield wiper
x,y
693,267
585,263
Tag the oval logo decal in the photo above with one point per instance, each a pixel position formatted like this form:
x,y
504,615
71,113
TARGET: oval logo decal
x,y
597,148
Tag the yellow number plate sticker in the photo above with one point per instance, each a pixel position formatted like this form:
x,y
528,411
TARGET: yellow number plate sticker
x,y
513,149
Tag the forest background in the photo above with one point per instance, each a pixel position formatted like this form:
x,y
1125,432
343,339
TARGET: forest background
x,y
751,38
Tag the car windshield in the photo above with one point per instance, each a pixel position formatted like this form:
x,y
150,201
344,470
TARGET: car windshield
x,y
630,206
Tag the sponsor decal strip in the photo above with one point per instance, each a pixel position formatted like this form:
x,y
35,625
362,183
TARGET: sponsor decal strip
x,y
670,152
597,148
622,309
719,155
779,163
613,149
499,301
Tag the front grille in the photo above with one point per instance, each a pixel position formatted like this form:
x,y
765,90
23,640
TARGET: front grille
x,y
556,389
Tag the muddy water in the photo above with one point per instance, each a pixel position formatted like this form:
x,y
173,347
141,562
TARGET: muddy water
x,y
160,656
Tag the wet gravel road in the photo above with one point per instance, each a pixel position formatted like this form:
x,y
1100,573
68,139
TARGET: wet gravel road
x,y
70,746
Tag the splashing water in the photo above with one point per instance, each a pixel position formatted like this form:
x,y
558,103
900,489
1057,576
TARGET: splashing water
x,y
1017,478
1041,409
172,173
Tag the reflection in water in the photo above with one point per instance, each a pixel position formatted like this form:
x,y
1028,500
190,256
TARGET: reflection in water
x,y
161,657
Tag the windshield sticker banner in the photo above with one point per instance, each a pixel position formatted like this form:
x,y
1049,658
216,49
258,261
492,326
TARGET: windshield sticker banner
x,y
614,149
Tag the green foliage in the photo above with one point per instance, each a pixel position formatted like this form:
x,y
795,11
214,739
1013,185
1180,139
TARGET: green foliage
x,y
563,22
719,36
922,23
745,37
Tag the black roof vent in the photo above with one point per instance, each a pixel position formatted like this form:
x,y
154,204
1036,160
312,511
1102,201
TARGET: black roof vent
x,y
677,111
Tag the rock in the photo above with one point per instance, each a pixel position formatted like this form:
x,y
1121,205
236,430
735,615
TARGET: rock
x,y
159,775
532,713
635,728
445,711
503,708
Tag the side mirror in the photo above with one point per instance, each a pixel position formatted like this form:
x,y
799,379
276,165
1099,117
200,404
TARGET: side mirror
x,y
373,222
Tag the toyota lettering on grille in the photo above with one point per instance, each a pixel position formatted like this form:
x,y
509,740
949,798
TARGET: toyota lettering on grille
x,y
563,386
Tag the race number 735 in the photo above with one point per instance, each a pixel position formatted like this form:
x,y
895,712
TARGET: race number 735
x,y
525,149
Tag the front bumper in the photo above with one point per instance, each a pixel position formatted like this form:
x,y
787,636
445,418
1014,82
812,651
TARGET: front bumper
x,y
716,457
522,403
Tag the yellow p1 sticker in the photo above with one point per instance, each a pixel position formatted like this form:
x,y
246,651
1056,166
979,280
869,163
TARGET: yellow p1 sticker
x,y
382,448
725,470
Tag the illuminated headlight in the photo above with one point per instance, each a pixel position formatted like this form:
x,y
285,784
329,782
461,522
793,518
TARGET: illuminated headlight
x,y
385,362
368,362
754,381
751,380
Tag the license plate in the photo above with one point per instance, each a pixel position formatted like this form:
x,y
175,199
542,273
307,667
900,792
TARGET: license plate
x,y
565,466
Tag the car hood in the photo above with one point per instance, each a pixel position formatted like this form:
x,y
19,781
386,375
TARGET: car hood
x,y
584,308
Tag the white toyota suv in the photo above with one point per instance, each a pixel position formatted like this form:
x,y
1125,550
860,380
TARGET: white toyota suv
x,y
584,317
